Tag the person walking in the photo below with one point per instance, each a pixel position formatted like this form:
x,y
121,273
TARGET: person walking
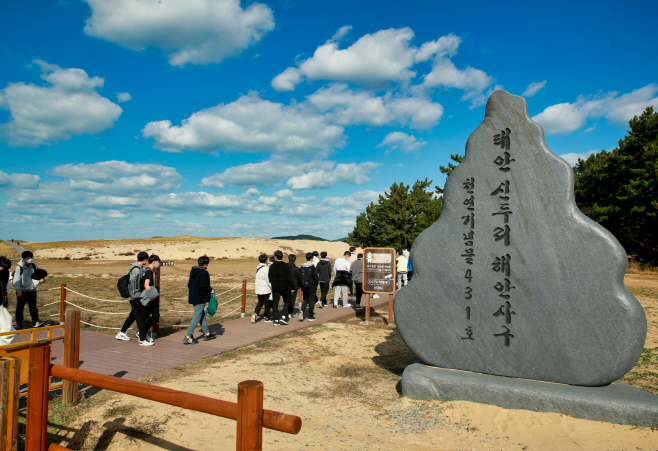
x,y
309,285
263,290
151,311
135,284
351,260
341,279
294,271
199,294
324,274
401,267
5,316
26,292
356,270
281,280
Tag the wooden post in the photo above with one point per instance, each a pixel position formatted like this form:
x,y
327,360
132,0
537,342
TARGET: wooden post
x,y
299,298
71,357
244,298
4,401
156,283
62,304
10,372
368,309
36,432
250,416
391,298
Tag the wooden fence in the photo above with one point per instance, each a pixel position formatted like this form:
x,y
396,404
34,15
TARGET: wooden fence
x,y
15,371
248,412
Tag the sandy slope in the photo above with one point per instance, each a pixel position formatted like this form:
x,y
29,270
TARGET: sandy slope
x,y
180,249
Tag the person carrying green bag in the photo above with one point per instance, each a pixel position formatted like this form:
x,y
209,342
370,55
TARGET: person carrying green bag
x,y
199,294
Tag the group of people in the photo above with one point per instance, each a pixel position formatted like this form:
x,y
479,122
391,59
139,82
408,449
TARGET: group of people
x,y
278,281
25,278
142,292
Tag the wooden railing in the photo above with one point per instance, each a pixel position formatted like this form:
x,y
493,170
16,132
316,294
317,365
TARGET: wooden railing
x,y
248,411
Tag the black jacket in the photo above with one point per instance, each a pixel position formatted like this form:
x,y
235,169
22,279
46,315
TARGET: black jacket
x,y
199,285
342,279
280,276
324,271
296,276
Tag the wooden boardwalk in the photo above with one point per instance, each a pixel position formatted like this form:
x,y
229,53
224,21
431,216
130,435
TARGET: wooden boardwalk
x,y
105,354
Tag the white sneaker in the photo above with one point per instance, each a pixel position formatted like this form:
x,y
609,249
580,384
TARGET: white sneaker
x,y
122,336
375,296
146,342
253,319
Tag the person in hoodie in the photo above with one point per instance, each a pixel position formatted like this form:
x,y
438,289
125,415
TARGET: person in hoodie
x,y
26,292
294,271
151,313
263,290
135,285
309,285
281,280
199,294
324,274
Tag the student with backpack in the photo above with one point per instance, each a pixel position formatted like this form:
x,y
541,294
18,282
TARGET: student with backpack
x,y
309,283
199,294
26,291
324,273
281,279
132,291
294,271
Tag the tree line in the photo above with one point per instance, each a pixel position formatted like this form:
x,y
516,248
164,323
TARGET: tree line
x,y
618,189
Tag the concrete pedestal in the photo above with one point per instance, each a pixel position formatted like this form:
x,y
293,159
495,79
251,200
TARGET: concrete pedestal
x,y
614,403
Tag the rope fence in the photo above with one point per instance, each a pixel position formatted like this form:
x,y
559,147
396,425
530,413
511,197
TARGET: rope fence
x,y
96,315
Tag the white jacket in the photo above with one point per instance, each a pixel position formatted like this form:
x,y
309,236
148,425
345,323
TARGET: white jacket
x,y
263,285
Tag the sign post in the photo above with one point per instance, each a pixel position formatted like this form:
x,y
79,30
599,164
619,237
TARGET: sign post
x,y
378,273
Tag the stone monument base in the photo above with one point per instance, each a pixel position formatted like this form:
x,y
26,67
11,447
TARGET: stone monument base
x,y
614,403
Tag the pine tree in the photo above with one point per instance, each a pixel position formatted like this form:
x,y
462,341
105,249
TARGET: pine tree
x,y
398,217
448,170
619,189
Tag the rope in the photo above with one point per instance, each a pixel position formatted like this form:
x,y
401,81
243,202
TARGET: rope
x,y
185,299
96,299
100,327
94,311
187,325
192,311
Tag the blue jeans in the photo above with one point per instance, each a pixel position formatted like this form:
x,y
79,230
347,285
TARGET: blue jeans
x,y
199,317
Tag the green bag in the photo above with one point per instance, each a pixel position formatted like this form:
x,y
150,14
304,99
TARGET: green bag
x,y
212,305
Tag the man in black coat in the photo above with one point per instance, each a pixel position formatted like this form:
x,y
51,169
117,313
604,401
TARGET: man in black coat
x,y
282,283
296,283
199,289
324,273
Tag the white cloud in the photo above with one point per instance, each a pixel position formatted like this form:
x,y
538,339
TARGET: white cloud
x,y
304,200
351,173
250,192
533,88
349,107
305,210
572,158
118,177
123,97
250,124
67,106
399,140
619,109
283,193
25,181
264,173
346,213
358,200
190,32
374,59
472,81
196,201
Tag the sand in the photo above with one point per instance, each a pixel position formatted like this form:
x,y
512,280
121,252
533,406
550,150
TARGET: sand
x,y
180,248
332,377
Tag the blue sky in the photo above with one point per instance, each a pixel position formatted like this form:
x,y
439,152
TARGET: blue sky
x,y
127,118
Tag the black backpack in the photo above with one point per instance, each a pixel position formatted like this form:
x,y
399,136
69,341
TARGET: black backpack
x,y
123,284
306,276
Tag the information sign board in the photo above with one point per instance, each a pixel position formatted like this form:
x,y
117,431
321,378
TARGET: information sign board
x,y
378,270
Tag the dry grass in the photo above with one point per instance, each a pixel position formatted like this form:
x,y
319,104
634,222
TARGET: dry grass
x,y
8,251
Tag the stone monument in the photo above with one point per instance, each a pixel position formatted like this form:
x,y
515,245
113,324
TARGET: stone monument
x,y
513,280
